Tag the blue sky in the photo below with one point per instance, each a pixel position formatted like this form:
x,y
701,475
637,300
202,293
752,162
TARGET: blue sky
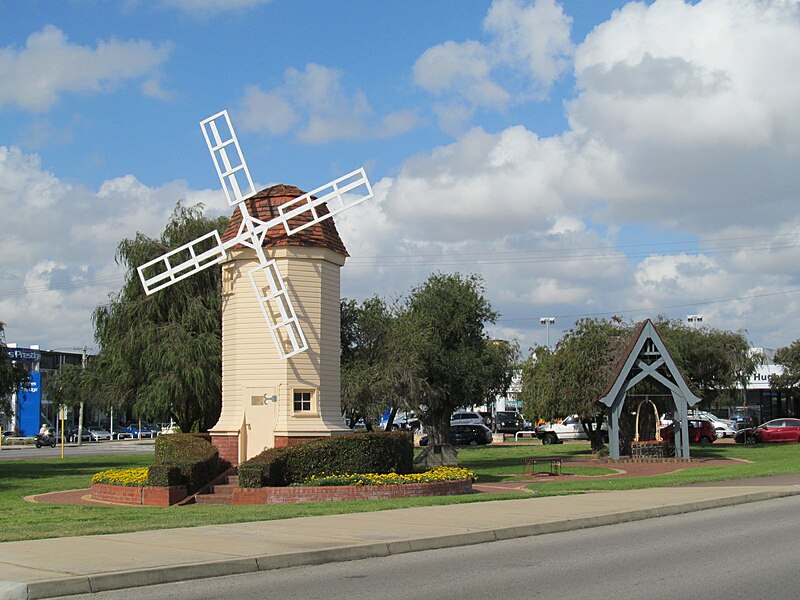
x,y
586,158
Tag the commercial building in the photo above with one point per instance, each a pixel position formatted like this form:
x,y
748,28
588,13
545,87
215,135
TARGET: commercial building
x,y
30,406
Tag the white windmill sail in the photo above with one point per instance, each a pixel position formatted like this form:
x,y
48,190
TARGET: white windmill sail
x,y
208,250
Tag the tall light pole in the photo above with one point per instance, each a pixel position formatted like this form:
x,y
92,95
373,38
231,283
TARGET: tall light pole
x,y
694,319
547,321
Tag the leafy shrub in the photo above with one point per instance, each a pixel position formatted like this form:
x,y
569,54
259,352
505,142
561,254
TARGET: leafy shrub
x,y
184,459
380,452
267,468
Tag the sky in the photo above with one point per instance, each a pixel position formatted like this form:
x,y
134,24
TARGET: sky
x,y
586,158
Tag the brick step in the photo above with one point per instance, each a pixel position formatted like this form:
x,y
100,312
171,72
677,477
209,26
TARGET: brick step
x,y
220,493
212,499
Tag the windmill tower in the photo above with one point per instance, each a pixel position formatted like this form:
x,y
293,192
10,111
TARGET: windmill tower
x,y
286,391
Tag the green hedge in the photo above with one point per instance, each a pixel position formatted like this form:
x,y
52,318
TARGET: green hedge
x,y
184,459
379,452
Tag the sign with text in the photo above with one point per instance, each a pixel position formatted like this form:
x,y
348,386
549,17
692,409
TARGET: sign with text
x,y
24,354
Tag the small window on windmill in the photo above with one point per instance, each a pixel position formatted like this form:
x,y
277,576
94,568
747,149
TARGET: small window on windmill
x,y
303,400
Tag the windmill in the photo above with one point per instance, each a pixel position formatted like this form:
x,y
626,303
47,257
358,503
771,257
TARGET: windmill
x,y
209,250
263,391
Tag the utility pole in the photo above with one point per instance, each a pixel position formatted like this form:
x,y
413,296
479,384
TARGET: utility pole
x,y
84,356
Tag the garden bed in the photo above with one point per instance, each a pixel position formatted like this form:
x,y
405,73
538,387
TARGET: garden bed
x,y
138,496
334,493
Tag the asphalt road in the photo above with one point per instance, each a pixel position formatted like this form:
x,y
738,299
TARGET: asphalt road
x,y
745,551
85,449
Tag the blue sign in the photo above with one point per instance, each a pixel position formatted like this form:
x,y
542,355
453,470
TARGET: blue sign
x,y
29,405
24,354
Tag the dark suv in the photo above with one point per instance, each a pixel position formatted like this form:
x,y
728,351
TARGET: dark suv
x,y
508,421
744,417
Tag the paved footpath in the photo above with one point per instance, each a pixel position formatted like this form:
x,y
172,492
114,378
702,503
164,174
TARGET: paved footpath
x,y
64,566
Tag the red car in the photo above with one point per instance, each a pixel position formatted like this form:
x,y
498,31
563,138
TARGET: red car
x,y
777,430
701,431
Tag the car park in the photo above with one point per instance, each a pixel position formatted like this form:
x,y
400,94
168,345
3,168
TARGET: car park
x,y
71,435
120,433
465,417
701,431
146,432
722,427
776,430
466,435
508,421
97,434
402,420
570,428
744,417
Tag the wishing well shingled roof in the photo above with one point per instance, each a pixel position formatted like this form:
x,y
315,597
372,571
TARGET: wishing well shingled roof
x,y
264,206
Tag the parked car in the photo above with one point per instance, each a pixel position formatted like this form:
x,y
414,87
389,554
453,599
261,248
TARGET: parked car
x,y
466,435
146,432
508,421
722,427
777,430
701,431
71,435
744,417
465,417
120,433
570,428
403,420
97,434
173,427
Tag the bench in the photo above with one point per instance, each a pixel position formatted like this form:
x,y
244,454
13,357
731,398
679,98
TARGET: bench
x,y
529,466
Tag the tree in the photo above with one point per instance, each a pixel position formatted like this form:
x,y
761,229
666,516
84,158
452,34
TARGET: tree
x,y
571,379
456,363
12,375
376,369
789,358
161,354
718,363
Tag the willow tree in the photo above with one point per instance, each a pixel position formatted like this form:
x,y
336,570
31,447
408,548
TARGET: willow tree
x,y
161,354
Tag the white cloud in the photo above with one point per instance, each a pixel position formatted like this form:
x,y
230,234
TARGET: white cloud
x,y
530,48
58,242
684,120
697,103
533,38
316,106
34,77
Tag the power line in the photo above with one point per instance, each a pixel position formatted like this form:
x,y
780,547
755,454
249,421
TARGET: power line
x,y
658,308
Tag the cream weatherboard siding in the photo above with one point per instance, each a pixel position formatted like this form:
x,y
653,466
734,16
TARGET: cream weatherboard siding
x,y
251,368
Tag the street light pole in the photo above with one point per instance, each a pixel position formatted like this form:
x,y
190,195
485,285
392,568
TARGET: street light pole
x,y
547,321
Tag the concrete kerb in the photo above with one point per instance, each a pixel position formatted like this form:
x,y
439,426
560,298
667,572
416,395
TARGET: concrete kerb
x,y
168,574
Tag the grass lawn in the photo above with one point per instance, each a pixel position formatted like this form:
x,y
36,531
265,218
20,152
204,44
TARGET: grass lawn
x,y
503,463
25,520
